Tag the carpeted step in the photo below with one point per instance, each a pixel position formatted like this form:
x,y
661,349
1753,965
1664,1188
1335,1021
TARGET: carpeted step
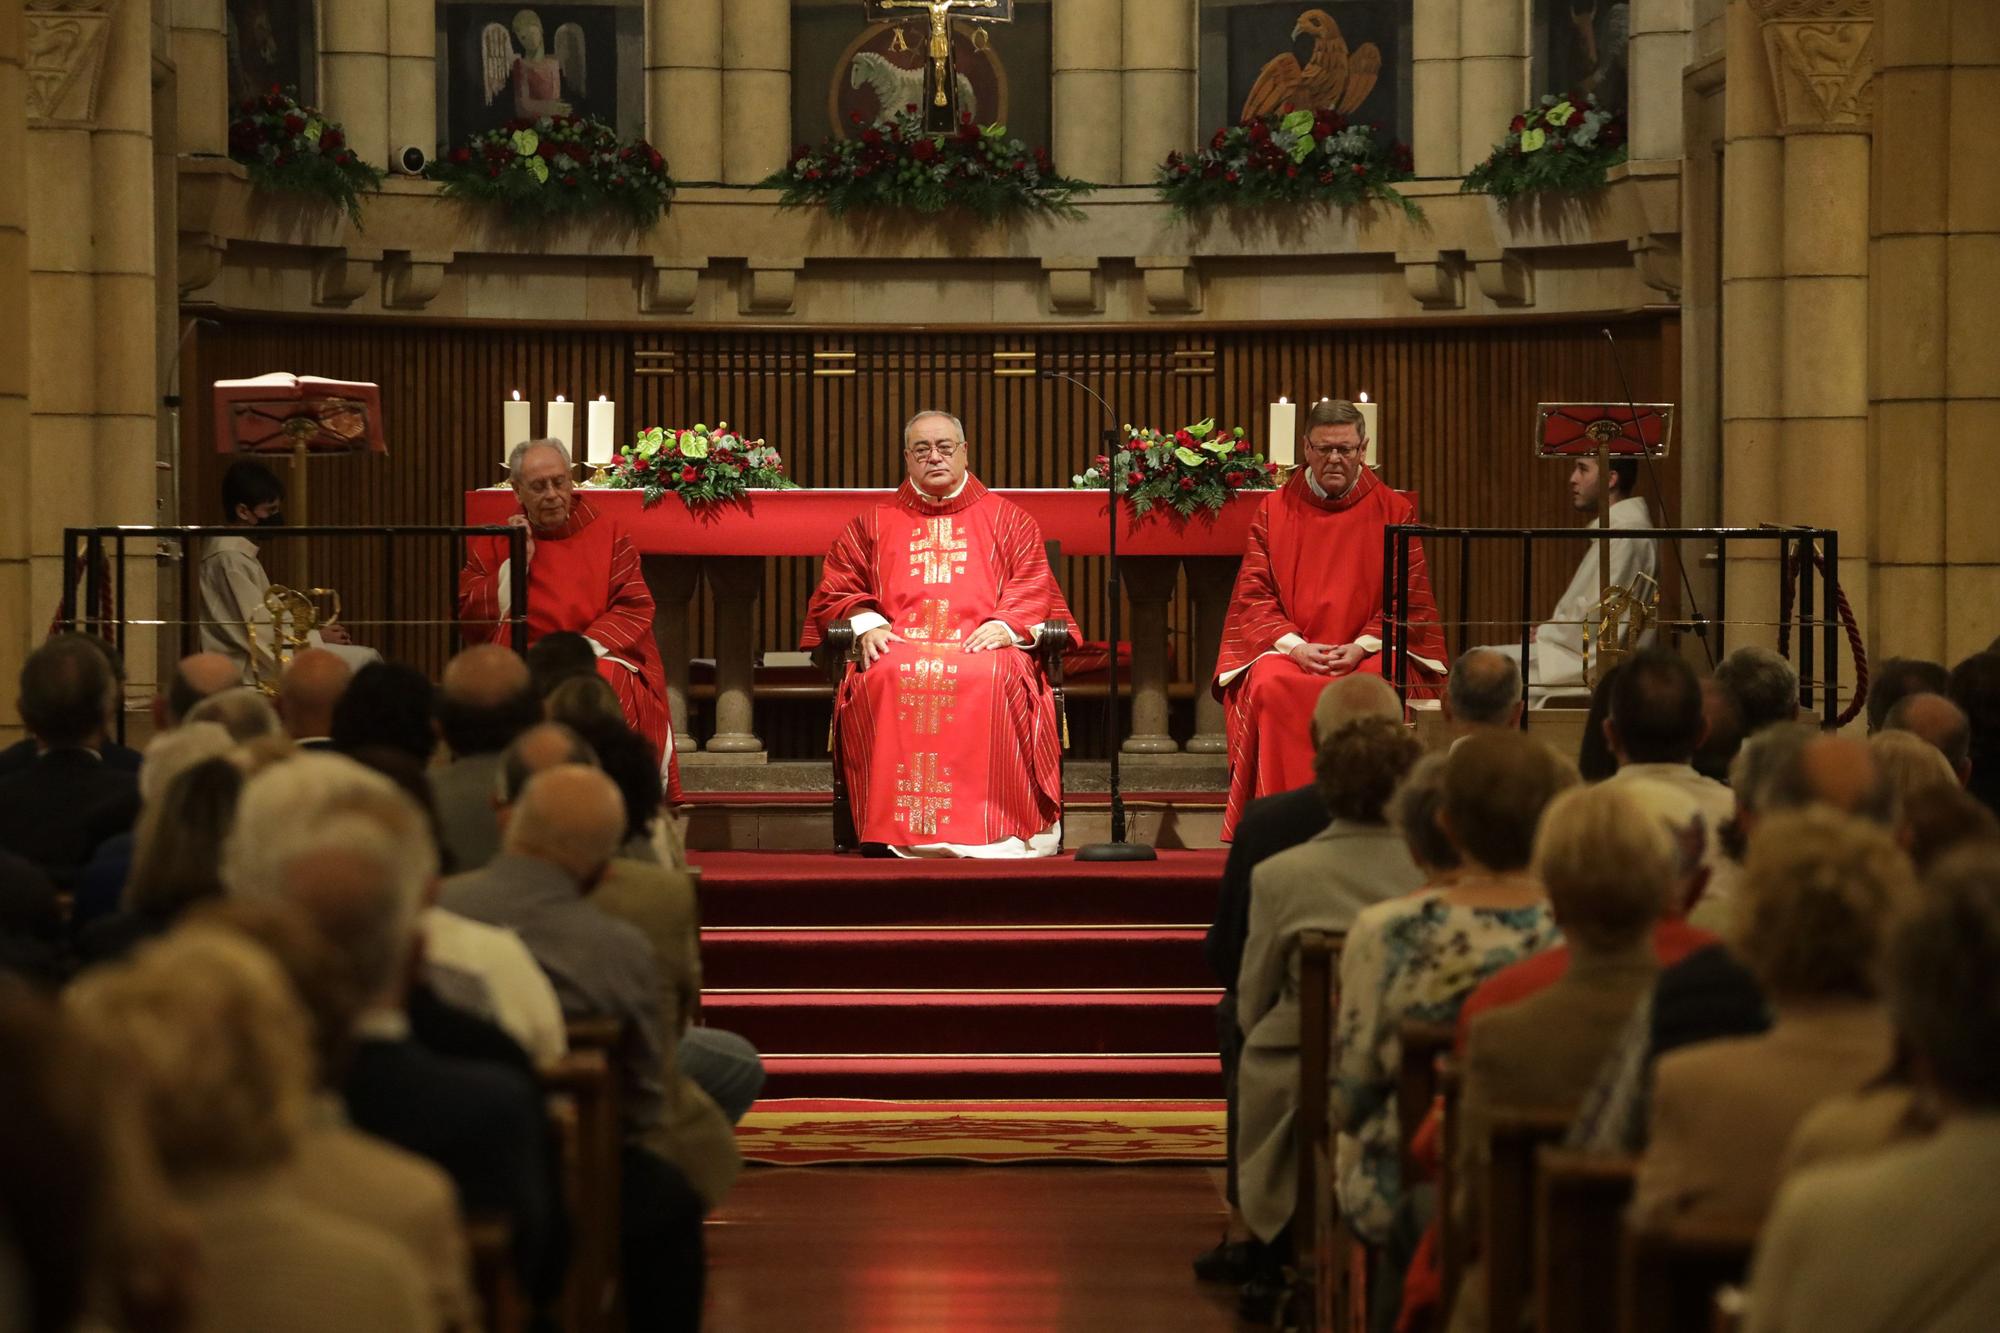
x,y
1011,1077
936,956
817,889
993,1022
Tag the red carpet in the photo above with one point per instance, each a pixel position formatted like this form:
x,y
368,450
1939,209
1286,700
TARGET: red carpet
x,y
891,979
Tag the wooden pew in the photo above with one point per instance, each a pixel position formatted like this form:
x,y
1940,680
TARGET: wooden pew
x,y
595,1034
1671,1273
1417,1080
1580,1202
1320,1240
1451,1249
582,1089
502,1307
1505,1238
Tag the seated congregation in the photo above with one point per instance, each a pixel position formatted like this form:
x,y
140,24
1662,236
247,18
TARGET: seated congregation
x,y
311,1027
1694,1031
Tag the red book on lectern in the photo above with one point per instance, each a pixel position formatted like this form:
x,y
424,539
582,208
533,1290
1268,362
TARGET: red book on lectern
x,y
274,414
1564,430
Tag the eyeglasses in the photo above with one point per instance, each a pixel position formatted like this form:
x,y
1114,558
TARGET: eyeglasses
x,y
1345,452
942,449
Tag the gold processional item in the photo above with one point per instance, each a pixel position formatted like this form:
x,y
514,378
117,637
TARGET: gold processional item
x,y
1622,618
295,614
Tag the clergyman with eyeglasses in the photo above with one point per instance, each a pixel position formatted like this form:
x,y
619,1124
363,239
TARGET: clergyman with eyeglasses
x,y
1308,607
948,732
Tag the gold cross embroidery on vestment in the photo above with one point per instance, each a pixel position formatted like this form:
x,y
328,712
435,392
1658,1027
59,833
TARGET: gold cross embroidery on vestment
x,y
933,623
925,691
924,792
940,554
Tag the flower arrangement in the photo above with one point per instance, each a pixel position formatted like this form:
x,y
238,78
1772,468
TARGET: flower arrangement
x,y
900,165
1289,157
1560,146
700,465
1195,467
291,148
558,166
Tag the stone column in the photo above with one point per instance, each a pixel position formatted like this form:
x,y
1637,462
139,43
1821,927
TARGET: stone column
x,y
1210,581
200,46
684,85
1160,95
354,72
1492,74
17,617
1656,54
672,581
756,89
1434,87
412,101
737,582
1752,320
1149,586
1086,92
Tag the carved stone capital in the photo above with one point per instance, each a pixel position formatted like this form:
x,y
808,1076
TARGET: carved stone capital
x,y
668,289
1173,285
1507,277
65,43
341,277
1075,286
197,260
770,286
1436,278
1822,68
411,279
1658,260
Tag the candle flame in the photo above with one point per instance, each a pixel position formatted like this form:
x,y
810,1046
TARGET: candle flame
x,y
1364,395
605,397
1282,398
559,398
517,395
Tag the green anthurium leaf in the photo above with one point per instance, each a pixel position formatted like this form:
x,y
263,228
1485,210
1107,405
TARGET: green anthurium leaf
x,y
693,445
1202,429
526,142
1298,122
540,169
1187,455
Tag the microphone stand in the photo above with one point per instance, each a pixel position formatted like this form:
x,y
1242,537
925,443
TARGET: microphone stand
x,y
1117,849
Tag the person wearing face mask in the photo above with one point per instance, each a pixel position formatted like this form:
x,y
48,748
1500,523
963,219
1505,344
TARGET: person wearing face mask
x,y
583,577
948,733
1308,606
234,620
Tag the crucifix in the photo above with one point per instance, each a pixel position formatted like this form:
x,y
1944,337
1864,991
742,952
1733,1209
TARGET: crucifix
x,y
941,97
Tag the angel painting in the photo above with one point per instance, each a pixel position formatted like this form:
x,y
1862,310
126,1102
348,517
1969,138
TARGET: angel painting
x,y
542,84
1332,76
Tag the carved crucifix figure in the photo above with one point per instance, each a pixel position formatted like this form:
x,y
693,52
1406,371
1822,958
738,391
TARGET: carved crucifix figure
x,y
940,109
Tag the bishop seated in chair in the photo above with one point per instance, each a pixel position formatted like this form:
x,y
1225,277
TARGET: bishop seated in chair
x,y
948,737
1308,607
583,576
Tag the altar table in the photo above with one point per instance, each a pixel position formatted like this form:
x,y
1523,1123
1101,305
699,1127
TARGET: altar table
x,y
728,543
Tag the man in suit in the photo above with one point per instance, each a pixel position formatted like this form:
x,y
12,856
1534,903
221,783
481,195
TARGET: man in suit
x,y
344,844
1842,1251
308,692
56,810
1269,825
484,701
195,677
1483,690
121,757
560,837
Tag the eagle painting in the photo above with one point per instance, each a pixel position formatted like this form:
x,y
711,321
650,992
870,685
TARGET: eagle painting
x,y
1332,76
897,86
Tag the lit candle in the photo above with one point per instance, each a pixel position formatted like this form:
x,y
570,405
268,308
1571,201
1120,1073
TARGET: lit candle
x,y
1282,448
515,426
559,423
603,424
1371,417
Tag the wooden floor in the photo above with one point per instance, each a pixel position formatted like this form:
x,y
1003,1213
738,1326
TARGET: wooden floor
x,y
966,1249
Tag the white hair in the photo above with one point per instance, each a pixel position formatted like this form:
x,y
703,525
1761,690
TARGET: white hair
x,y
520,451
317,807
957,426
172,753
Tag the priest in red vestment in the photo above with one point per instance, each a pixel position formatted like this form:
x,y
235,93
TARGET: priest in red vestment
x,y
948,735
583,576
1308,607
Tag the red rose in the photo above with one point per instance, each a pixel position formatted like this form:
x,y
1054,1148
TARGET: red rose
x,y
1187,483
493,173
331,139
1182,437
1259,132
343,158
569,180
924,150
461,155
1361,168
1518,124
871,137
1243,446
293,124
642,465
617,180
1135,477
1233,477
1292,172
688,473
657,162
1232,177
1271,468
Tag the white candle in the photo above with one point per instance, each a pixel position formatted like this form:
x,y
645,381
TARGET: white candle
x,y
603,422
1371,417
1282,447
515,426
559,423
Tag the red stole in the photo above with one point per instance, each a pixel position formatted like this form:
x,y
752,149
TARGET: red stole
x,y
938,744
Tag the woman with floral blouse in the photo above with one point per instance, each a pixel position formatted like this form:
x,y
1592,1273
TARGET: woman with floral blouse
x,y
1416,958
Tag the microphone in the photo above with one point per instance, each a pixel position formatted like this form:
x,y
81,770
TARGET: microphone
x,y
1698,621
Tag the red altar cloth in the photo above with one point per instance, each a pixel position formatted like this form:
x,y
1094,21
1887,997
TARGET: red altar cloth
x,y
806,522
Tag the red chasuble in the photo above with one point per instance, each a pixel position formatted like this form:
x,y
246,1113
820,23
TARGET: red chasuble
x,y
1313,568
939,745
584,578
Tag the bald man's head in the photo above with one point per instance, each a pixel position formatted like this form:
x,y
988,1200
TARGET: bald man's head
x,y
485,700
1350,698
1484,689
569,816
1936,719
195,678
542,746
312,684
1833,771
